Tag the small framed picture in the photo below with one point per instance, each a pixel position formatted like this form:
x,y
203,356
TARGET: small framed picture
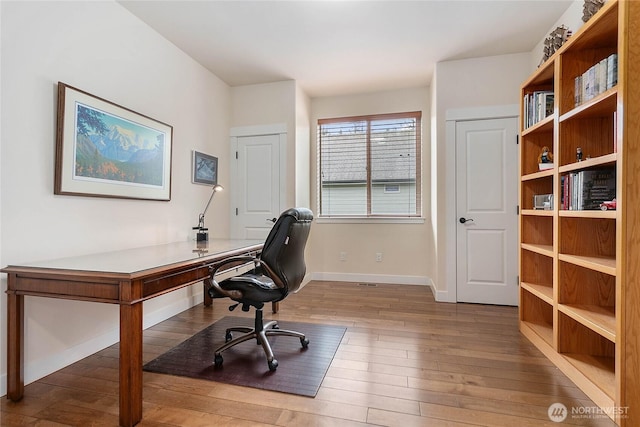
x,y
205,169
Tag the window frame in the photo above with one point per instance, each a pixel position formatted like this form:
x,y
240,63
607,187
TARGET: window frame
x,y
417,116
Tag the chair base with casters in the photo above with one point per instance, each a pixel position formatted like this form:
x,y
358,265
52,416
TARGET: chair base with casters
x,y
279,270
259,332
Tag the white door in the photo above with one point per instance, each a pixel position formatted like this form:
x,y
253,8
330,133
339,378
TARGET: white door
x,y
487,218
257,177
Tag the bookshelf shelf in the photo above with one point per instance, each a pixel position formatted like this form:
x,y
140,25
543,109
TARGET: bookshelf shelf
x,y
545,293
538,315
544,125
543,78
580,269
546,250
538,175
600,370
605,160
598,106
588,214
543,331
601,264
601,320
536,212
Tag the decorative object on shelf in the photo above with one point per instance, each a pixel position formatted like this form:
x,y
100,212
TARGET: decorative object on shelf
x,y
590,8
610,205
105,150
204,169
543,202
578,154
552,43
545,159
203,233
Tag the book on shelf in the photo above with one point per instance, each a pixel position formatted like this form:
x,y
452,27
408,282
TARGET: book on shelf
x,y
597,79
537,106
587,189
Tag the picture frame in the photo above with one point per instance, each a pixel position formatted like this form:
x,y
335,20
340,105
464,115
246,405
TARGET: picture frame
x,y
204,169
107,150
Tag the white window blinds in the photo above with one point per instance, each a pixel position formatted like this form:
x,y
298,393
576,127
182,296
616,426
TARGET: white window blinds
x,y
362,158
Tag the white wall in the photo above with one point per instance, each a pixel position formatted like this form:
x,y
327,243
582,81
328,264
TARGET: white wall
x,y
103,49
478,82
407,248
268,104
303,149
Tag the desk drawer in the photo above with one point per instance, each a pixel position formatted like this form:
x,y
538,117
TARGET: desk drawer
x,y
67,288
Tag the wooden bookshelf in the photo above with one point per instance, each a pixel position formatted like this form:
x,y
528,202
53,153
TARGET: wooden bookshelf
x,y
580,269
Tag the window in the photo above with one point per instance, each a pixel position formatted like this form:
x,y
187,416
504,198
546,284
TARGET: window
x,y
370,166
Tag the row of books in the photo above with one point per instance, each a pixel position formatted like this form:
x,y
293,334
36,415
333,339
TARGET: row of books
x,y
587,189
537,106
597,79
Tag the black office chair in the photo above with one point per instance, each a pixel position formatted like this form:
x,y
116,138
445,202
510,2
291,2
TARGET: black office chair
x,y
279,270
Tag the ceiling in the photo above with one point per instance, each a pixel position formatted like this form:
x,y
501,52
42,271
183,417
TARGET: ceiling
x,y
344,47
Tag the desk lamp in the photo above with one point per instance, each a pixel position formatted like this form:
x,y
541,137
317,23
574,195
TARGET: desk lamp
x,y
203,233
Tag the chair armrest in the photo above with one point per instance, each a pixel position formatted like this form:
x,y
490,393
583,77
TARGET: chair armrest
x,y
211,282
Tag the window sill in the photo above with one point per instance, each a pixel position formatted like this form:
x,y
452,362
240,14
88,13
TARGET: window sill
x,y
369,220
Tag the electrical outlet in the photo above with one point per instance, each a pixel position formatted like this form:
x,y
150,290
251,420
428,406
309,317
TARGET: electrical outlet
x,y
378,256
343,256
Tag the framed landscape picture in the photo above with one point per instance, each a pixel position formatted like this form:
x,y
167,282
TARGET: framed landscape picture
x,y
205,169
106,150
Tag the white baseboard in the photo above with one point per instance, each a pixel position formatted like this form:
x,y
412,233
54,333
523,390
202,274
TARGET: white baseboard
x,y
373,278
440,296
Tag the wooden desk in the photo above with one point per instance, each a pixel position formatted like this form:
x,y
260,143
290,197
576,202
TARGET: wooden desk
x,y
126,278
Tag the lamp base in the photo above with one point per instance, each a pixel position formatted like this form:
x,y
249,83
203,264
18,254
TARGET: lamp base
x,y
202,236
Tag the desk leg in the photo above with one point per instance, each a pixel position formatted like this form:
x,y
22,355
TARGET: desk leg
x,y
208,301
15,346
130,364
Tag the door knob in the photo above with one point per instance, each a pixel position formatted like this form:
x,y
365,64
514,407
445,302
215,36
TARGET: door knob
x,y
463,220
273,220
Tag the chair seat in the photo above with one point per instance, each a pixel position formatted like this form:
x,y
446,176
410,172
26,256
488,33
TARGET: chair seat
x,y
254,288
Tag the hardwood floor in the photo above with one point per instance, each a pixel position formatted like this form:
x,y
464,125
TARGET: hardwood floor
x,y
405,360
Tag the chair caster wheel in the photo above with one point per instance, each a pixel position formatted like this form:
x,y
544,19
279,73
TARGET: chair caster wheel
x,y
273,365
304,342
228,337
217,361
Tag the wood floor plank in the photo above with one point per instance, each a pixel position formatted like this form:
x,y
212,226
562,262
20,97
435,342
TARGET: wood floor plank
x,y
387,418
404,361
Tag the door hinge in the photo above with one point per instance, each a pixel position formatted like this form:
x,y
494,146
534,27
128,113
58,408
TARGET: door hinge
x,y
517,209
518,280
236,211
517,139
236,155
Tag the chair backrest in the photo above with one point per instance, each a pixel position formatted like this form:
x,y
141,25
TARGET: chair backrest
x,y
282,255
